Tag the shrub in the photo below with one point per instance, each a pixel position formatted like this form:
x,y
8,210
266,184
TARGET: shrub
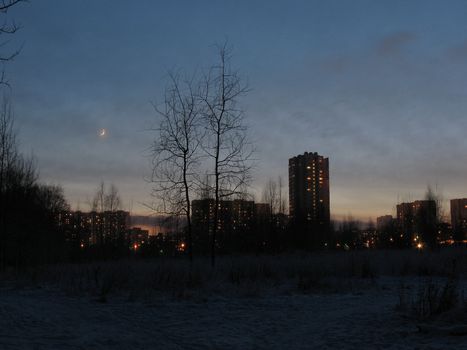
x,y
433,298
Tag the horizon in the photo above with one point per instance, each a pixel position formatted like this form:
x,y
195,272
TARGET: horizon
x,y
378,88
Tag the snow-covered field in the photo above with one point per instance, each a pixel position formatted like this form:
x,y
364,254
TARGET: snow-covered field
x,y
343,313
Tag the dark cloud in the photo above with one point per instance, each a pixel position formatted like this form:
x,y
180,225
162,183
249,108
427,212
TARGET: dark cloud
x,y
394,43
458,52
336,64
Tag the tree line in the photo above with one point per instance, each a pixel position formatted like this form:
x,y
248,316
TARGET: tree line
x,y
28,228
28,232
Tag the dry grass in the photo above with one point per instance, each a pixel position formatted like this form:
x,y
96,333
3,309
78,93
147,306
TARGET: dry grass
x,y
249,275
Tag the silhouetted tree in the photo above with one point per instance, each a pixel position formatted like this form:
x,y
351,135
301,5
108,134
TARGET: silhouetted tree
x,y
28,210
98,201
226,143
429,217
106,200
9,167
176,151
53,198
112,199
271,196
7,28
281,199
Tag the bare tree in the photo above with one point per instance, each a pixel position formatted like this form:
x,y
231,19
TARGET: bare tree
x,y
437,196
226,142
176,153
205,189
5,5
282,204
53,198
112,199
98,201
7,28
12,165
31,237
8,156
106,200
429,217
8,151
18,174
271,196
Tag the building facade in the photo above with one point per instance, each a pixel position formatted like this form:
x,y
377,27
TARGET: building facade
x,y
417,223
383,222
233,216
94,228
240,224
309,202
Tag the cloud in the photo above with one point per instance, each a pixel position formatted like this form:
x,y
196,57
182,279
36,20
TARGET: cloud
x,y
458,52
394,43
336,64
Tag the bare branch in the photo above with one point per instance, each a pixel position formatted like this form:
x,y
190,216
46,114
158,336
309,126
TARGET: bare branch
x,y
5,5
175,151
226,142
7,28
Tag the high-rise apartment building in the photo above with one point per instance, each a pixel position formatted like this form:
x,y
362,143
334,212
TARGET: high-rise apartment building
x,y
309,190
417,221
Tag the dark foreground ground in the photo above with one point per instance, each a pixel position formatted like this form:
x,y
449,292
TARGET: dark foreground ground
x,y
248,312
45,319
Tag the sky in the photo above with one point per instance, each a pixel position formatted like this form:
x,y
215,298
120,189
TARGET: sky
x,y
379,87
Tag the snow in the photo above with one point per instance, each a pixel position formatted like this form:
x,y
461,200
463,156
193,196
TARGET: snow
x,y
355,318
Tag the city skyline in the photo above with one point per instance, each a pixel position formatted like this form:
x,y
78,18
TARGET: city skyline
x,y
378,91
